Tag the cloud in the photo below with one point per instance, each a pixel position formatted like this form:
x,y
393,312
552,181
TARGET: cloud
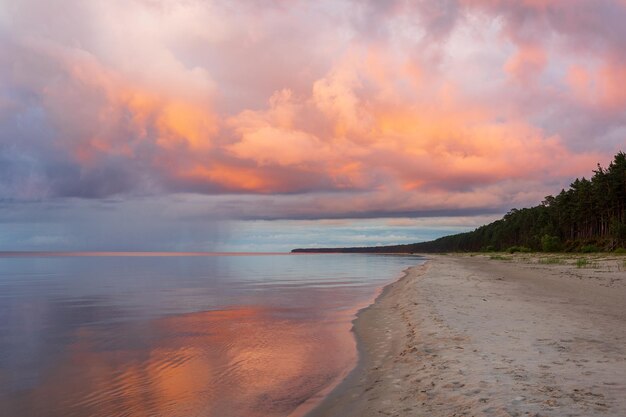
x,y
307,110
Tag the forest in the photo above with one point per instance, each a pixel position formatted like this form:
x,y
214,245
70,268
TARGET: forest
x,y
589,216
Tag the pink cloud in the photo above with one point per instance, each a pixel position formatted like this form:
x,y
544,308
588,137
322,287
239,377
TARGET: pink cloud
x,y
298,98
527,62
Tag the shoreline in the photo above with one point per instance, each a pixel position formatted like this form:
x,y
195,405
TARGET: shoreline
x,y
311,406
469,335
339,400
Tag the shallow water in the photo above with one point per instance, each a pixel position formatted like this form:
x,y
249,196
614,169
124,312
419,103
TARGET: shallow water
x,y
197,335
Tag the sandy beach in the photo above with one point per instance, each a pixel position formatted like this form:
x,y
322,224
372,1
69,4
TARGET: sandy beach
x,y
524,335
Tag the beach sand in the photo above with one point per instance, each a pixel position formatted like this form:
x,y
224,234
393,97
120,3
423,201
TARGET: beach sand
x,y
475,336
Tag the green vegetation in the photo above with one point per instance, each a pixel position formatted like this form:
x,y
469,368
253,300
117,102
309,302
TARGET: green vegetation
x,y
582,262
499,258
620,251
552,261
589,249
522,249
550,243
585,263
588,217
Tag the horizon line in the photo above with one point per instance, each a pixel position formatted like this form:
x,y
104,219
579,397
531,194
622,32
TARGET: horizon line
x,y
100,253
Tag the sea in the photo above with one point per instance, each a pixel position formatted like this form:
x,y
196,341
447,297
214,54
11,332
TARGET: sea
x,y
180,334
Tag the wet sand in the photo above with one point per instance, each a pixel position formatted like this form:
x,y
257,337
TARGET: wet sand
x,y
508,336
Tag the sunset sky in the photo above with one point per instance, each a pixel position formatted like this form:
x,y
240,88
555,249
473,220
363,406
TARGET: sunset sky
x,y
264,125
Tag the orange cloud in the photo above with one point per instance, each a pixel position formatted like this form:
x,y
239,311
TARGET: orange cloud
x,y
385,110
612,77
166,119
335,96
368,131
231,178
527,62
270,137
599,85
581,82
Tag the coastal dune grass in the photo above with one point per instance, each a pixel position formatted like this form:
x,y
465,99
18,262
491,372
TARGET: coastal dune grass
x,y
500,258
586,263
552,261
603,261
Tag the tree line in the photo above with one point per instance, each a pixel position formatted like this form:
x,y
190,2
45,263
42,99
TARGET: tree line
x,y
589,216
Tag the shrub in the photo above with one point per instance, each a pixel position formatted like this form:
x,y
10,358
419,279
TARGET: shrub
x,y
620,251
489,248
550,243
570,246
589,249
522,249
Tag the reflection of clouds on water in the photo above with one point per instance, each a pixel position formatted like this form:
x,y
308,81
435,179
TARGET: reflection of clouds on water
x,y
245,361
37,331
215,336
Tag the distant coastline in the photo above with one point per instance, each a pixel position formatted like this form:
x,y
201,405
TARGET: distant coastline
x,y
409,248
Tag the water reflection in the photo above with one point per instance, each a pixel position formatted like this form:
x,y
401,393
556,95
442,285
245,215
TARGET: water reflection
x,y
171,336
239,362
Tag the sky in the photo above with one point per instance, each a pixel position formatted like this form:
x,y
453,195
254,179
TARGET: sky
x,y
262,125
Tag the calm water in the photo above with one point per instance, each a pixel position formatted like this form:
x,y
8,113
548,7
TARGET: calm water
x,y
254,335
